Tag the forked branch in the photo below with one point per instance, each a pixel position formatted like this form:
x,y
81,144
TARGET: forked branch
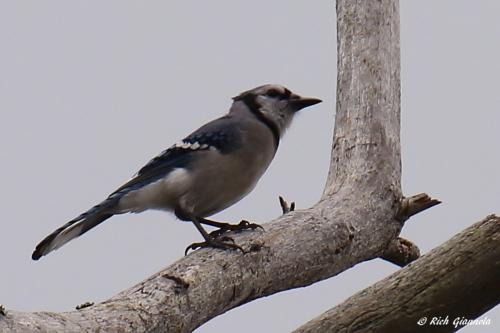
x,y
458,279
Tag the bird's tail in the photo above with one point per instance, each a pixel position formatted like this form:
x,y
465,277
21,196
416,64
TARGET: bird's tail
x,y
75,227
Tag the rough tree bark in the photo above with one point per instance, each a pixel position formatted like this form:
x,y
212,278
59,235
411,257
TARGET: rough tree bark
x,y
358,218
458,279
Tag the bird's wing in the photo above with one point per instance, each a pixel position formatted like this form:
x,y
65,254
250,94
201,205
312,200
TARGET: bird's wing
x,y
215,135
158,167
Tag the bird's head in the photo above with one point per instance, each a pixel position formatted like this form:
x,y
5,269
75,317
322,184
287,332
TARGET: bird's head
x,y
275,104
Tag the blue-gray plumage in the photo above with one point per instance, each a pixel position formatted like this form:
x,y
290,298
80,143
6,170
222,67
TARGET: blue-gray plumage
x,y
208,171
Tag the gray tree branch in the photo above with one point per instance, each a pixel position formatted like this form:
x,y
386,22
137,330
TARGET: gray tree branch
x,y
401,251
458,279
357,218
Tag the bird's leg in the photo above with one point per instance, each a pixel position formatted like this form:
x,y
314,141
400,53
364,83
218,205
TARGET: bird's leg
x,y
212,240
225,227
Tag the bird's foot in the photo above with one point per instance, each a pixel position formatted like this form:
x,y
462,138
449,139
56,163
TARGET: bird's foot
x,y
224,243
243,225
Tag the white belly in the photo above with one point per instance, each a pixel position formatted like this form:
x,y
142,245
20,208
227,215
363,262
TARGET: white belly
x,y
161,194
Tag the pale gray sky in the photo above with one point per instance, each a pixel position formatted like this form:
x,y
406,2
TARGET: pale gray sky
x,y
90,90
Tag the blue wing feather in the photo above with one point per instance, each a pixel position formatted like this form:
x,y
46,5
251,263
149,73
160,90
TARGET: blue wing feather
x,y
216,134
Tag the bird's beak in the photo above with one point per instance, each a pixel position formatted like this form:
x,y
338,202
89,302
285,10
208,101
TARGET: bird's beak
x,y
300,102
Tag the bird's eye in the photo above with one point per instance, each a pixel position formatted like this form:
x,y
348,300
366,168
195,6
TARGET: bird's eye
x,y
273,93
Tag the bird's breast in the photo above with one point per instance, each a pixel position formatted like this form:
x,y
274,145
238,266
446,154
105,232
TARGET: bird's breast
x,y
223,179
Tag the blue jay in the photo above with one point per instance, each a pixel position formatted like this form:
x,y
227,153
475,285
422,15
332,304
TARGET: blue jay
x,y
208,171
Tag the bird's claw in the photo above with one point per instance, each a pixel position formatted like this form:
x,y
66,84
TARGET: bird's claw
x,y
224,243
243,225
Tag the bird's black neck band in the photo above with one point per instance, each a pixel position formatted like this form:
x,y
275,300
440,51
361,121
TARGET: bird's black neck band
x,y
254,107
